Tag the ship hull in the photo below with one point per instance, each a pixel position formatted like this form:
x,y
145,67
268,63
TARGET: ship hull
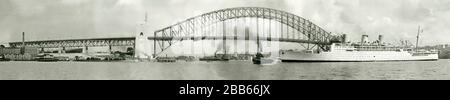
x,y
354,60
264,61
357,56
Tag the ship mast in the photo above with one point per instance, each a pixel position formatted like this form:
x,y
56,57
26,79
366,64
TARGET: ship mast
x,y
418,36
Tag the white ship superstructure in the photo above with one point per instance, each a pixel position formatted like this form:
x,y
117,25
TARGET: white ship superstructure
x,y
343,52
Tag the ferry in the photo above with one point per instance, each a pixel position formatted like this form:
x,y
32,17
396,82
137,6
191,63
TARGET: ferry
x,y
264,60
46,58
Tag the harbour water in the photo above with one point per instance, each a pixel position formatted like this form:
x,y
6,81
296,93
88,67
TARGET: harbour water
x,y
233,70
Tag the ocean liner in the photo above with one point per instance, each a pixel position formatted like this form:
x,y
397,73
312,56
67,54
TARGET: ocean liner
x,y
361,52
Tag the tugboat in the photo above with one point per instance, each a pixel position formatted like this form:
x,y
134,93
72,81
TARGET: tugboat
x,y
257,59
261,60
46,58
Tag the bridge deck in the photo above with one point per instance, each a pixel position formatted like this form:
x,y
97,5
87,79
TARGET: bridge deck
x,y
130,41
63,40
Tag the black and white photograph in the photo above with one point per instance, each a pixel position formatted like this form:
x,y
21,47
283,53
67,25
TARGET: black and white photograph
x,y
224,40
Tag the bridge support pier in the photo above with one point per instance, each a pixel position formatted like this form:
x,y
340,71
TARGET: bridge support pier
x,y
62,50
235,37
110,49
247,38
42,50
224,34
85,49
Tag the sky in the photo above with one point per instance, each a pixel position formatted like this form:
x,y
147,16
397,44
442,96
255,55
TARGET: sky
x,y
68,19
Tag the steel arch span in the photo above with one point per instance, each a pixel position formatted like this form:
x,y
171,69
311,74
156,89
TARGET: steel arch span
x,y
188,29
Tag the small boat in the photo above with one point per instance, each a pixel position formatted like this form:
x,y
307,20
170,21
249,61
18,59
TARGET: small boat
x,y
46,58
261,60
166,59
208,59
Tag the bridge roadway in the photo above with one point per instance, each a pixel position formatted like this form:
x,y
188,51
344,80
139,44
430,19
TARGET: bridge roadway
x,y
130,41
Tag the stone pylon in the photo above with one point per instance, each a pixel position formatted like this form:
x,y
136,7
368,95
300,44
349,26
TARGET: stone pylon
x,y
143,47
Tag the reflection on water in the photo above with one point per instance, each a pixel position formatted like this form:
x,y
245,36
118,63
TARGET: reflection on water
x,y
225,70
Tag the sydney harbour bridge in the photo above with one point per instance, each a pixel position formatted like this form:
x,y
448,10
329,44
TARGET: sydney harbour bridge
x,y
242,23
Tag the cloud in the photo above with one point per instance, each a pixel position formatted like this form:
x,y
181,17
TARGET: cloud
x,y
47,19
396,19
128,2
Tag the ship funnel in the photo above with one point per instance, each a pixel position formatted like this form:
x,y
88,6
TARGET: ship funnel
x,y
380,39
364,39
344,38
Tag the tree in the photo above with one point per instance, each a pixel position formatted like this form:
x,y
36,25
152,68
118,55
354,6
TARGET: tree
x,y
2,46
